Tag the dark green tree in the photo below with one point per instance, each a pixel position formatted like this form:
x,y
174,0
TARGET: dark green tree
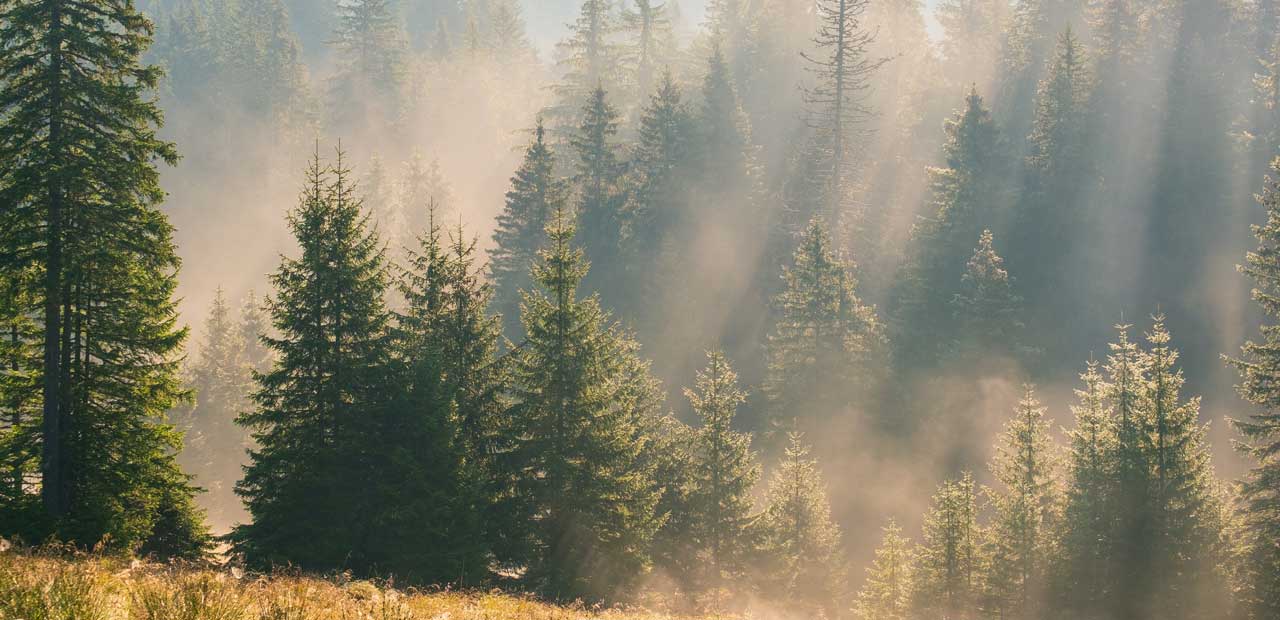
x,y
577,424
78,178
590,60
313,481
536,194
600,191
970,194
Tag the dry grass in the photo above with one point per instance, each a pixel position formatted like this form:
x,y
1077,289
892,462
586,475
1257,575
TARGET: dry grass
x,y
45,586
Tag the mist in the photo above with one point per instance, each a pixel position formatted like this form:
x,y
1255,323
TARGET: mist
x,y
906,240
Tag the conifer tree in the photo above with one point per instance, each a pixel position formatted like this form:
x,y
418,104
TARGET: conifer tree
x,y
507,31
649,27
423,187
1082,582
969,195
1051,215
725,148
266,63
1125,376
825,337
800,543
322,406
78,150
1025,58
724,473
836,105
577,427
971,40
1020,538
887,592
1258,365
536,194
446,350
370,41
590,59
601,194
988,313
254,324
19,396
949,561
221,381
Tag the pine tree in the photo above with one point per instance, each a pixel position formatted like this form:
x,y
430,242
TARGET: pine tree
x,y
371,45
725,149
577,429
78,150
1083,582
649,27
600,195
507,31
1187,554
1125,376
1024,514
590,60
949,562
969,195
19,397
386,212
311,482
836,105
887,593
1026,56
536,194
988,313
825,337
422,184
971,40
446,350
254,324
266,64
802,564
1260,489
221,381
725,473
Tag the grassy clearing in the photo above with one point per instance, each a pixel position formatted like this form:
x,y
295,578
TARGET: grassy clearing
x,y
42,586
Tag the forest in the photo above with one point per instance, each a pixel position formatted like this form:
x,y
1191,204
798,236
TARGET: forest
x,y
845,309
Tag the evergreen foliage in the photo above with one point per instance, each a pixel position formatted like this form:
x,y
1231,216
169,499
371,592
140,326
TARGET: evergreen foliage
x,y
84,234
949,562
802,566
825,341
581,400
1258,364
887,593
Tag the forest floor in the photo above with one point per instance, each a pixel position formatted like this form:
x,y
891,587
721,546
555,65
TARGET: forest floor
x,y
45,586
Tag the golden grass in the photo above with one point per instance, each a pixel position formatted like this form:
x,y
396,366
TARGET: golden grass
x,y
44,586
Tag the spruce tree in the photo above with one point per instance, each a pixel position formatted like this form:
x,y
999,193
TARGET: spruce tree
x,y
254,324
600,195
971,40
580,394
370,42
802,565
836,105
724,474
1258,365
969,195
949,561
887,592
221,381
19,398
825,338
1082,582
422,188
651,42
446,352
321,409
590,60
987,311
1051,217
1020,541
1025,58
78,150
536,194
